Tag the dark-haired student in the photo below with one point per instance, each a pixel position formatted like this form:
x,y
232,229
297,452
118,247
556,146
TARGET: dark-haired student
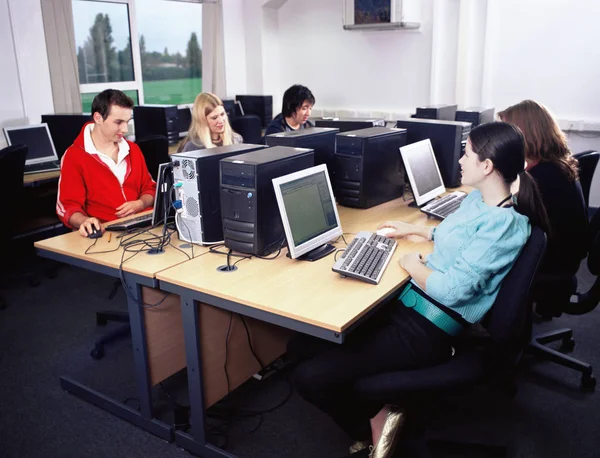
x,y
103,176
456,285
555,171
295,111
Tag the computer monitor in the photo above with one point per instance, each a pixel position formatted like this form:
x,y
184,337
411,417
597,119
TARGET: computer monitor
x,y
64,128
184,118
37,138
162,199
308,212
423,171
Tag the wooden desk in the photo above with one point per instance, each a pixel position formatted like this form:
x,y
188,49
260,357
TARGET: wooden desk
x,y
34,179
296,295
157,335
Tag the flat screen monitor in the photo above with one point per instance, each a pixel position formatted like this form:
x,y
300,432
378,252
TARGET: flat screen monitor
x,y
423,171
308,212
64,129
162,200
37,138
184,118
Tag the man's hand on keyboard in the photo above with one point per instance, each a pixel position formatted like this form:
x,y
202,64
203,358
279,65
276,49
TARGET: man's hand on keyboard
x,y
129,208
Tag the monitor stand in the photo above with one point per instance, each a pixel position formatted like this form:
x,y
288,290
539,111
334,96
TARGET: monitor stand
x,y
317,253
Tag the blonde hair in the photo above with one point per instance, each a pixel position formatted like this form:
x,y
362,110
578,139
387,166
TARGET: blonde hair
x,y
204,104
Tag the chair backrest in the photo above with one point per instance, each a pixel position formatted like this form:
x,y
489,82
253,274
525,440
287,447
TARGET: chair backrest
x,y
12,166
155,149
509,320
249,127
588,160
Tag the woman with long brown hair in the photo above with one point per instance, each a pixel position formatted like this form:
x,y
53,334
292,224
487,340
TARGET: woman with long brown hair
x,y
555,170
210,125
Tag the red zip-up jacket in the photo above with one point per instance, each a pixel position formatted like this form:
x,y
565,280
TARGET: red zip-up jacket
x,y
87,185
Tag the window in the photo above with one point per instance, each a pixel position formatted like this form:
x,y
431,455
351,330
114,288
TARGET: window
x,y
150,49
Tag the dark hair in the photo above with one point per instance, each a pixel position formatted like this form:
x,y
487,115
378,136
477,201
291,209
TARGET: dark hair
x,y
294,97
544,140
107,98
503,144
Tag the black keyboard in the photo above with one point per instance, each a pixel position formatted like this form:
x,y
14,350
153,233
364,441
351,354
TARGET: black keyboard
x,y
42,167
444,206
366,257
133,223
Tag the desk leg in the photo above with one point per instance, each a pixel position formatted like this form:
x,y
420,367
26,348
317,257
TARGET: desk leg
x,y
195,441
143,417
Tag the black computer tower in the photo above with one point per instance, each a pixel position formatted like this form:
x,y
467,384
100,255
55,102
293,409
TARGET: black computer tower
x,y
184,119
259,105
230,108
475,115
319,139
196,177
347,124
443,112
156,120
368,169
251,220
448,139
64,129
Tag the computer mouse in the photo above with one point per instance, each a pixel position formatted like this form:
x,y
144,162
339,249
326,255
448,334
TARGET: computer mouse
x,y
96,233
385,231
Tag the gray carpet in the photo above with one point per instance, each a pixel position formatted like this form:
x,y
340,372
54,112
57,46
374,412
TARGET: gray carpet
x,y
48,331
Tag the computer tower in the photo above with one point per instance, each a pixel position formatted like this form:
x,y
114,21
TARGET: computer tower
x,y
156,120
251,220
347,124
475,115
196,178
64,129
367,167
259,105
184,119
444,112
319,139
448,139
230,109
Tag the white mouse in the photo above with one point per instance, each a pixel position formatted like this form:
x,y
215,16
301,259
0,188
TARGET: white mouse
x,y
385,231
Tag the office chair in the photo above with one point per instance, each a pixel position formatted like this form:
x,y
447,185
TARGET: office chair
x,y
509,326
579,304
102,318
588,160
155,149
249,127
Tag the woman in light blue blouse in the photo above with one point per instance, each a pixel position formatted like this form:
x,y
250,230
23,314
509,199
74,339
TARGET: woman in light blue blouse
x,y
456,285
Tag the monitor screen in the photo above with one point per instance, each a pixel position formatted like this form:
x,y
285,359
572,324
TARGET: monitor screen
x,y
307,209
162,199
184,118
37,138
423,171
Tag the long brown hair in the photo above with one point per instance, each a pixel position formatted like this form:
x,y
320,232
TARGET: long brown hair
x,y
544,141
204,104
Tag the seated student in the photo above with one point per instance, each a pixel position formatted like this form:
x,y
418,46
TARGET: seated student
x,y
210,125
297,105
555,171
103,176
456,285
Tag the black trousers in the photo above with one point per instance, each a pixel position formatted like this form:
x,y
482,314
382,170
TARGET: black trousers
x,y
396,338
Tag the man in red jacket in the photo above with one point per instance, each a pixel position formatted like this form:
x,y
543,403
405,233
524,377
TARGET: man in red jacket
x,y
102,175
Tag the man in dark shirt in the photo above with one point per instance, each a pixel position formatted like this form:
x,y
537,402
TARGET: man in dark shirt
x,y
297,105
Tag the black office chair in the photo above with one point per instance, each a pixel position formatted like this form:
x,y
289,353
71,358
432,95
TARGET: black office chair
x,y
493,359
579,304
249,127
588,160
155,149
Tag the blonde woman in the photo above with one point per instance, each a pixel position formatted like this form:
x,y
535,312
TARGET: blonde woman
x,y
210,125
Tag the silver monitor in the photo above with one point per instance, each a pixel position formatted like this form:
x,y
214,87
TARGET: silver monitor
x,y
423,171
37,138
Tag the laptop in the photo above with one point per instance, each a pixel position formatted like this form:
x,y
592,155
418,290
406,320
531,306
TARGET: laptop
x,y
41,154
426,181
162,200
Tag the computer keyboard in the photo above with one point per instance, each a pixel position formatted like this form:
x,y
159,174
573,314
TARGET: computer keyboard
x,y
133,223
444,206
366,257
41,167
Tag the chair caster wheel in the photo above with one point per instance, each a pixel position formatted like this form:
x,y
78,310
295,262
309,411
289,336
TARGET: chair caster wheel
x,y
588,383
97,352
568,344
